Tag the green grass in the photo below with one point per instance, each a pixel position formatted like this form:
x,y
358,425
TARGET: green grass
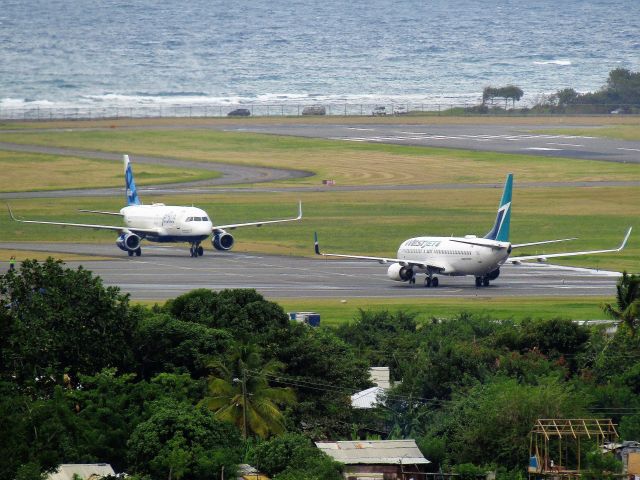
x,y
376,222
335,311
24,172
348,163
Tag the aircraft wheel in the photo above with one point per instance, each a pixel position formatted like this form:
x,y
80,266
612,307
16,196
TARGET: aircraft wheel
x,y
200,251
130,253
478,281
427,282
138,252
434,282
191,252
485,282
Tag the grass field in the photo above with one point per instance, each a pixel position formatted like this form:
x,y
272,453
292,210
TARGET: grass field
x,y
428,118
376,222
22,172
335,311
348,163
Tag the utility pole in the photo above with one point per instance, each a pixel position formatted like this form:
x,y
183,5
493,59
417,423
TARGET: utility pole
x,y
244,403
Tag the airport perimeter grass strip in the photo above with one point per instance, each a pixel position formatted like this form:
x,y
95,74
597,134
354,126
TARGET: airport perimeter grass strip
x,y
376,222
426,118
335,311
30,172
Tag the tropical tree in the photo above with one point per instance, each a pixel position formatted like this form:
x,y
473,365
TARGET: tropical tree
x,y
239,392
627,305
180,441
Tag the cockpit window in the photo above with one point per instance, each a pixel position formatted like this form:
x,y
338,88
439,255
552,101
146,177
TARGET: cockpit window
x,y
189,219
205,219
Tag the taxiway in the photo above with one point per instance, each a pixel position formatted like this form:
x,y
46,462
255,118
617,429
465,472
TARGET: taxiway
x,y
164,272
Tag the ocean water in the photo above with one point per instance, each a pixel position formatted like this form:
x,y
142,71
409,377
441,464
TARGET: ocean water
x,y
94,53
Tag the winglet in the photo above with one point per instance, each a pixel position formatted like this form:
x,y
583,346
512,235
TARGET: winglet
x,y
626,237
315,244
299,210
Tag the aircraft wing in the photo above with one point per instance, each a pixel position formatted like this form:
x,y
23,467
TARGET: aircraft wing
x,y
482,242
520,245
543,258
102,213
259,224
85,225
382,260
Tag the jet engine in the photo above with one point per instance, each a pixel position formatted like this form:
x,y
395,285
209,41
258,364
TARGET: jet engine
x,y
493,275
128,242
222,240
399,273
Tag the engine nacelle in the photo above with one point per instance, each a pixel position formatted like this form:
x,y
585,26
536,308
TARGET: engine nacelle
x,y
128,242
222,240
493,275
399,273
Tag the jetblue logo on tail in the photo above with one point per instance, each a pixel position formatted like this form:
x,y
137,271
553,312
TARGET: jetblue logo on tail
x,y
500,230
130,184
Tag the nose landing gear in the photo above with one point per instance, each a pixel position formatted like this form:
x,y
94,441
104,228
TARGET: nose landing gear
x,y
482,282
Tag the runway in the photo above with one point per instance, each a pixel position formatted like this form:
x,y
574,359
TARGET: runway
x,y
520,139
164,272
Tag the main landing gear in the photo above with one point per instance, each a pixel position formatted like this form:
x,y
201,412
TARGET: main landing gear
x,y
431,282
196,250
482,281
137,251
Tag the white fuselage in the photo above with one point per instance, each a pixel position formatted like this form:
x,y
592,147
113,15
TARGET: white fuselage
x,y
456,258
173,223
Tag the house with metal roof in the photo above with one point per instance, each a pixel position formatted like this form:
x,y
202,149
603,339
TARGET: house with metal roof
x,y
378,459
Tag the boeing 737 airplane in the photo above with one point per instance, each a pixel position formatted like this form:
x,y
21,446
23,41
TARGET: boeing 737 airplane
x,y
468,255
163,223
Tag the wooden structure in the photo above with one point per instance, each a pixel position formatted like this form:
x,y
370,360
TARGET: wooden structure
x,y
555,445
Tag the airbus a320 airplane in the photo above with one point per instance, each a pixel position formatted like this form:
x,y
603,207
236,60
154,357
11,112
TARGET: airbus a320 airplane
x,y
163,223
468,255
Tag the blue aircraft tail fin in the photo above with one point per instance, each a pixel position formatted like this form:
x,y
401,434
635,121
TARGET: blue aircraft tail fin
x,y
130,184
500,230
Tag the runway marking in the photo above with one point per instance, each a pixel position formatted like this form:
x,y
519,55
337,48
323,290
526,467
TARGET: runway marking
x,y
544,149
565,144
629,149
362,129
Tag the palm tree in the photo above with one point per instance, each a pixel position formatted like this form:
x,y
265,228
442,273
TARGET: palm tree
x,y
239,392
627,306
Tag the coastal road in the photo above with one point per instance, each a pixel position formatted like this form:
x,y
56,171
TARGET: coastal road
x,y
519,139
164,272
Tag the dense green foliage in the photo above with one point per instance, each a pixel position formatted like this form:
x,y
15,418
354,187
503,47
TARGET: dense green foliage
x,y
293,456
86,377
621,94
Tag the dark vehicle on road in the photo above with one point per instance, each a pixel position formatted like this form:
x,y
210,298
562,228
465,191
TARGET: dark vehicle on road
x,y
239,112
